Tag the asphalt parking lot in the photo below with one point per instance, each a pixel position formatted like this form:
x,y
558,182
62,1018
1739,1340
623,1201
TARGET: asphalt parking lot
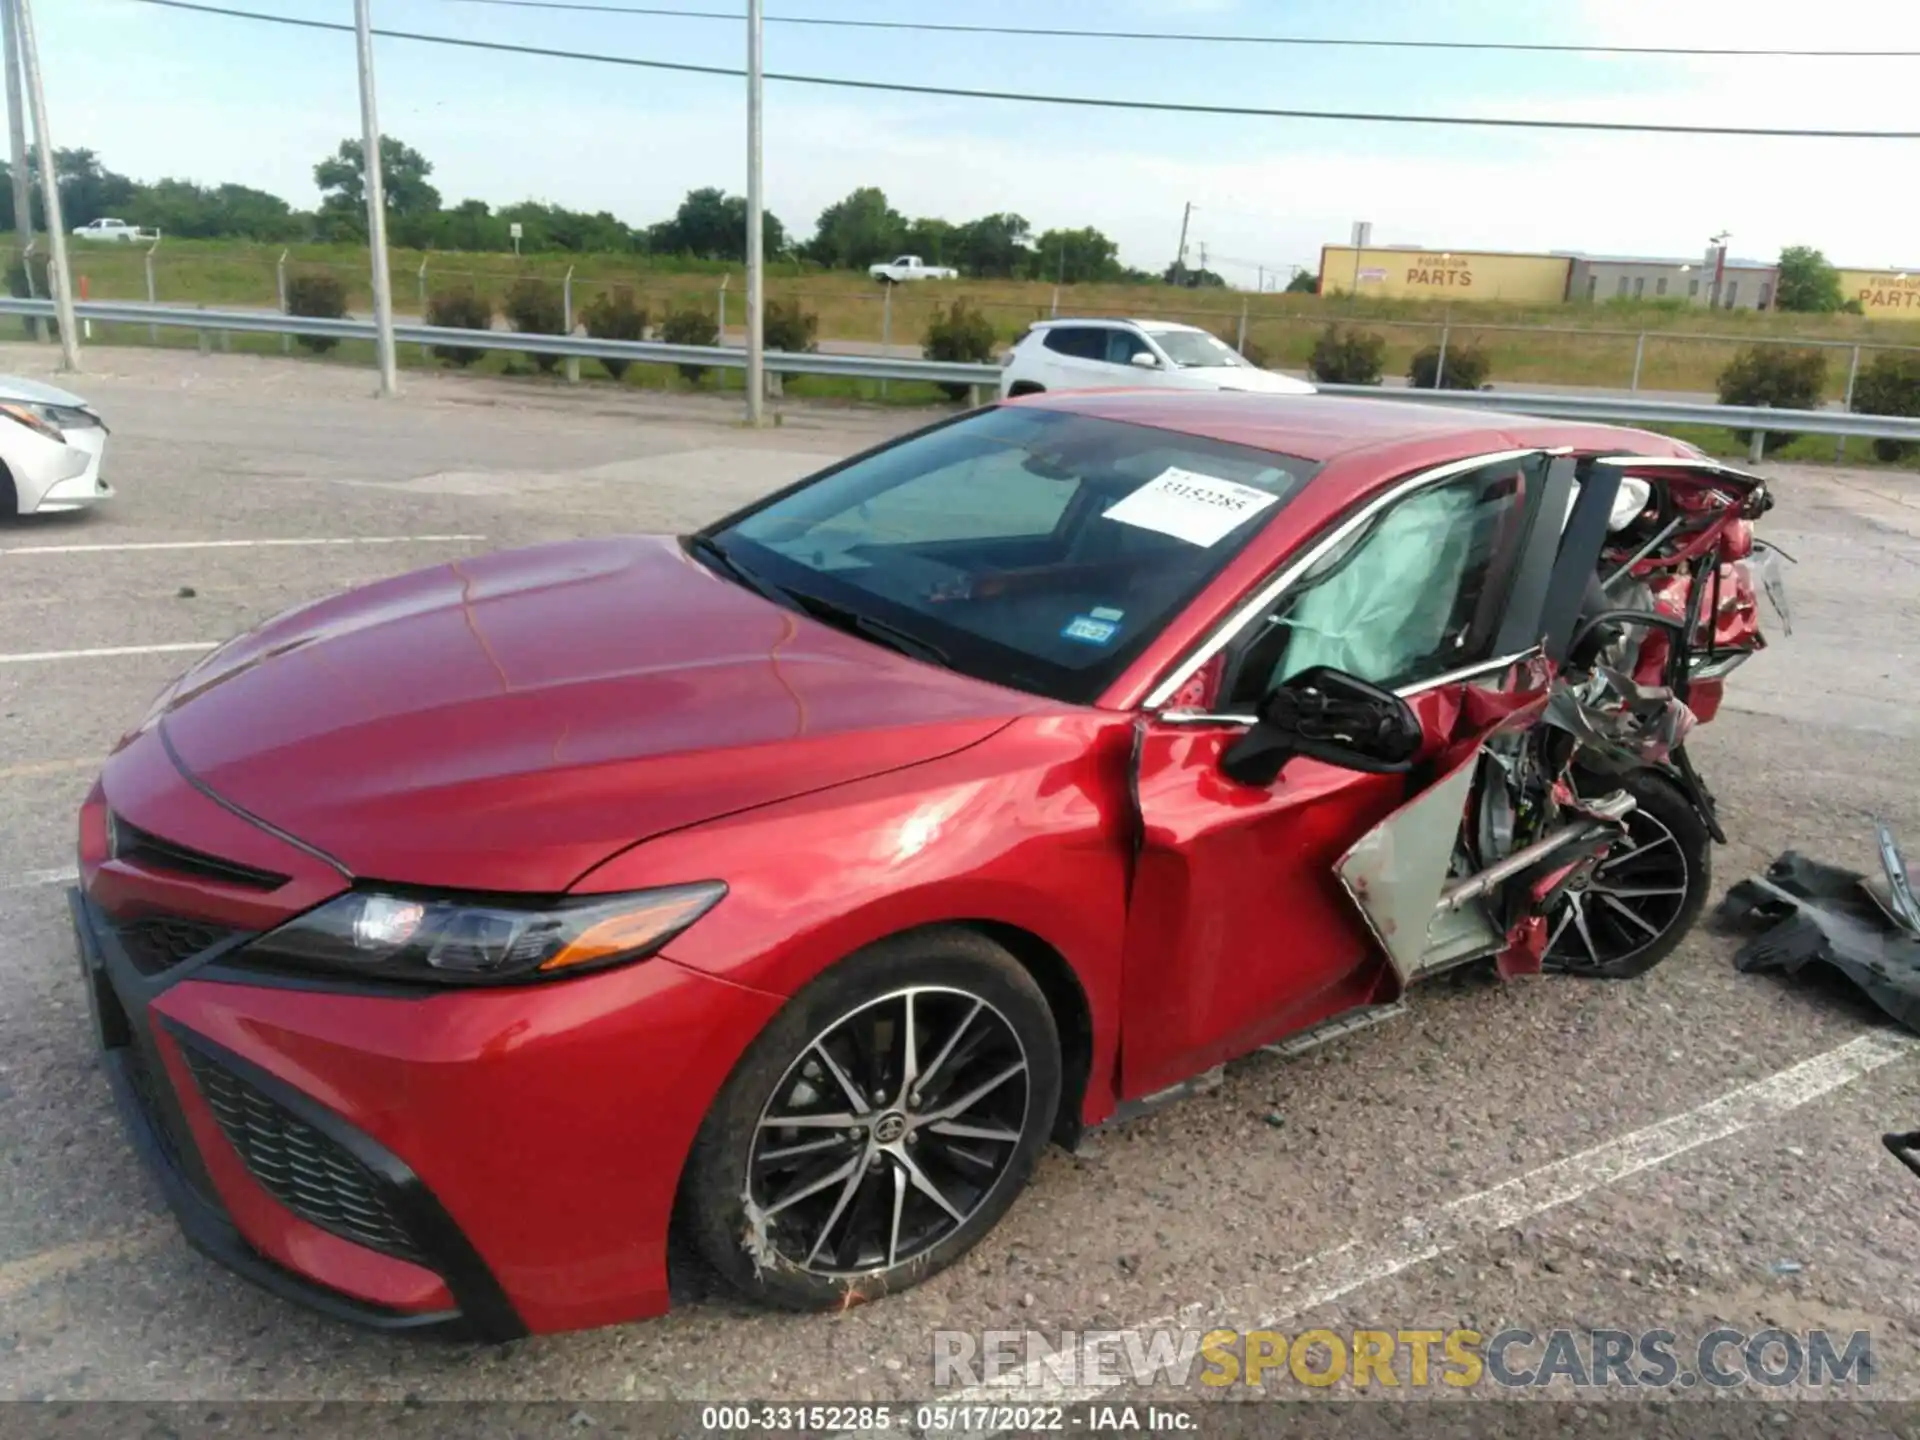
x,y
1692,1149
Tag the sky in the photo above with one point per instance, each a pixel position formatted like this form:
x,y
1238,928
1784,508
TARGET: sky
x,y
159,92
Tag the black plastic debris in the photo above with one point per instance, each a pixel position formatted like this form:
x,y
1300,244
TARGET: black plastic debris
x,y
1807,913
1905,1148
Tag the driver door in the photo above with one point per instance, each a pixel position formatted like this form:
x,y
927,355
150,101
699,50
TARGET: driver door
x,y
1240,929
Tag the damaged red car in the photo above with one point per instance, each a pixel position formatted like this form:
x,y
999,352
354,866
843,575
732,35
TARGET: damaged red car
x,y
453,941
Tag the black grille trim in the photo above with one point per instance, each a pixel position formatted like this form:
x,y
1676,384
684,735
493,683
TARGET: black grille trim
x,y
152,852
157,943
304,1169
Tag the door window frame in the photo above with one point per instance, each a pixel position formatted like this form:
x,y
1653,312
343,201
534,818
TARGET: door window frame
x,y
1256,606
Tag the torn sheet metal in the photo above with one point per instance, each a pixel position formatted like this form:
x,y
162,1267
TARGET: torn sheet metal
x,y
1396,871
1621,725
1867,930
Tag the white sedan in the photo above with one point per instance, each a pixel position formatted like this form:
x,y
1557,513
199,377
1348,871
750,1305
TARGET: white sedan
x,y
50,448
1085,354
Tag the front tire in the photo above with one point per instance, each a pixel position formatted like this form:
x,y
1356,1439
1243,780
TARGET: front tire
x,y
1644,896
879,1127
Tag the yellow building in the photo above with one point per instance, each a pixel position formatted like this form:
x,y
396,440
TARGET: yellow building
x,y
1402,273
1883,294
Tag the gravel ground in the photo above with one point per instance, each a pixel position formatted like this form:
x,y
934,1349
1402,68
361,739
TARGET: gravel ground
x,y
1370,1184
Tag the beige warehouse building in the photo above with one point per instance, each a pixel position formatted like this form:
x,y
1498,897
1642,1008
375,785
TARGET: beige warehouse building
x,y
1405,273
1884,294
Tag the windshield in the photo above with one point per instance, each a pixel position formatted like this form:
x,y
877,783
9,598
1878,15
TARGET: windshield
x,y
1031,548
1190,348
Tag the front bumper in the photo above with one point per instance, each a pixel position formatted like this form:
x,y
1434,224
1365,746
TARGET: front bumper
x,y
142,1054
476,1165
49,477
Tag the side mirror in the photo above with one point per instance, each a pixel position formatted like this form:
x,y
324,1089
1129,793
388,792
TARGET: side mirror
x,y
1146,360
1328,715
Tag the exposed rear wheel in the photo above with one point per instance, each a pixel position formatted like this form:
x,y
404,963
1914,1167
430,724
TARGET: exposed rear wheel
x,y
880,1126
1640,901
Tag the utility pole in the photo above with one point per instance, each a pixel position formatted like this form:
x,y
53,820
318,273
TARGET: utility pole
x,y
49,190
756,256
17,134
1180,259
375,186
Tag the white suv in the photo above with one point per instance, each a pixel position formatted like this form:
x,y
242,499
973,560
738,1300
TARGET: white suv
x,y
1102,354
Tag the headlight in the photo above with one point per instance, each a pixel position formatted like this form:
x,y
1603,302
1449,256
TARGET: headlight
x,y
50,421
386,936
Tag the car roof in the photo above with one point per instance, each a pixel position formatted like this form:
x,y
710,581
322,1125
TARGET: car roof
x,y
1151,326
1322,428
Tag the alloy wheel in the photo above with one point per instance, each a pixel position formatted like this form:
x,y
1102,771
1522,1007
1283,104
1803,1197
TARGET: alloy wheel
x,y
888,1132
1626,903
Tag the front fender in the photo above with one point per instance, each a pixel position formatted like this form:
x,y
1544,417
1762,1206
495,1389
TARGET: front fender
x,y
1029,829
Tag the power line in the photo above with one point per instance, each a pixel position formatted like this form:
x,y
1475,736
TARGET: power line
x,y
1050,32
1081,101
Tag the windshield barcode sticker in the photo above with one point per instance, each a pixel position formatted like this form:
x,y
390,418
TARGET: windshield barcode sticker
x,y
1198,509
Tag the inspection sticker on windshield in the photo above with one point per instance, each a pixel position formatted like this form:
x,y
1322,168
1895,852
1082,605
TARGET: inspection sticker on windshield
x,y
1091,629
1198,509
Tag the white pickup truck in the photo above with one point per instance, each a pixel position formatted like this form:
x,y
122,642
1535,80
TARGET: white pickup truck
x,y
105,229
903,268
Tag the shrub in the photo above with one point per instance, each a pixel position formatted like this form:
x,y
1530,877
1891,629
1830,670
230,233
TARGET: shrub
x,y
1467,368
613,315
462,308
1773,375
690,325
1890,386
786,326
1254,352
1345,356
960,333
535,307
322,295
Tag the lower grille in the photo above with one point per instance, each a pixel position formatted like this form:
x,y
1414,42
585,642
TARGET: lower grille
x,y
155,943
305,1170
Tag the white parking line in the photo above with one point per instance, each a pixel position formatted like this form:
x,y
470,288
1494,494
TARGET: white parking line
x,y
38,877
30,655
237,544
1333,1273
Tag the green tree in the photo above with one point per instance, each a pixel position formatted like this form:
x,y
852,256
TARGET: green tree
x,y
342,179
1304,282
1807,281
1077,257
1193,279
928,238
853,233
198,212
993,247
88,190
712,225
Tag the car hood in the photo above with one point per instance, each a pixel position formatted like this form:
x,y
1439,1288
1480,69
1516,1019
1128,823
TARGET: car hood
x,y
508,722
15,387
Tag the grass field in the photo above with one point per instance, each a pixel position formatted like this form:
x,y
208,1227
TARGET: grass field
x,y
1587,344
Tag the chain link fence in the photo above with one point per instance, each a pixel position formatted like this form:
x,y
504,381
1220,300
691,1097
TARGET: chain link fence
x,y
1665,355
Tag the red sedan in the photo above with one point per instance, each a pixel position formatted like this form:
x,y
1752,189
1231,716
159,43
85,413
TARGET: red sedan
x,y
795,882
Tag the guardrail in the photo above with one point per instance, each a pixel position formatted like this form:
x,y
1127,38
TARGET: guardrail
x,y
1611,408
1630,409
583,347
